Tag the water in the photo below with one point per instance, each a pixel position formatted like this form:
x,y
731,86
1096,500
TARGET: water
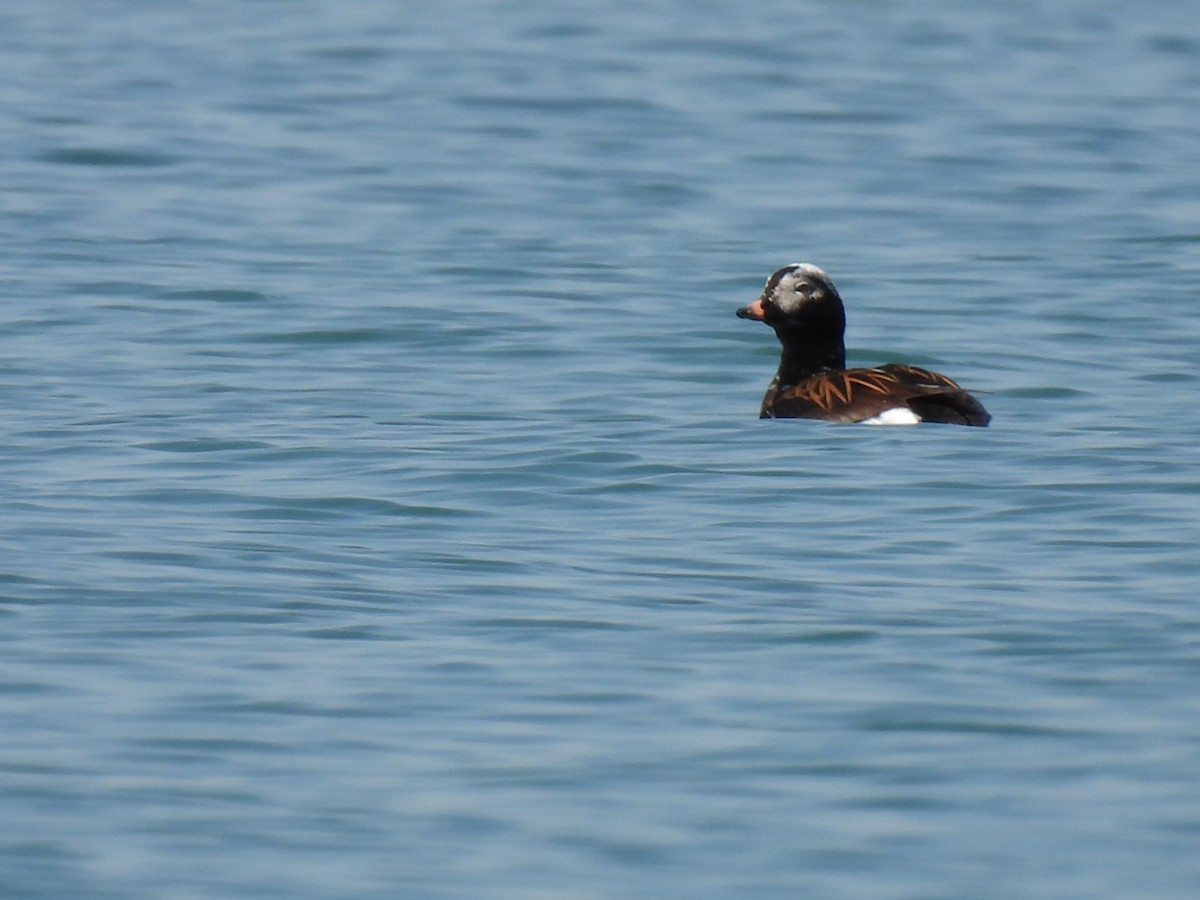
x,y
385,513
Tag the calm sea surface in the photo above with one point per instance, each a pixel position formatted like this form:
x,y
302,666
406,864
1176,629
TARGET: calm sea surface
x,y
383,507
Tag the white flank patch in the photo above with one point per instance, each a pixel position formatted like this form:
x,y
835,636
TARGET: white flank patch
x,y
897,415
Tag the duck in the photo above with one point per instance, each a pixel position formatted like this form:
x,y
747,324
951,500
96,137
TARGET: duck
x,y
804,308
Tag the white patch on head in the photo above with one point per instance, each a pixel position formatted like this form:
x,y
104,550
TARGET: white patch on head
x,y
802,283
808,269
897,415
787,298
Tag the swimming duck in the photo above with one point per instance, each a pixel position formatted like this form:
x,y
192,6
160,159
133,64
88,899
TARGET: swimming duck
x,y
802,305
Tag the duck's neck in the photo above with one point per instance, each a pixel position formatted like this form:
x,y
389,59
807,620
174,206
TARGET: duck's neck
x,y
802,357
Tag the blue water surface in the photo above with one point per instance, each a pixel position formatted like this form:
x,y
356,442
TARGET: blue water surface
x,y
384,508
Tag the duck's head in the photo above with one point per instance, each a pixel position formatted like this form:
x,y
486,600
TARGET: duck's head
x,y
799,297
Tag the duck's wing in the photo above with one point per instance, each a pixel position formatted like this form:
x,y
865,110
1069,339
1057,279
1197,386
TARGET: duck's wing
x,y
849,395
936,398
852,395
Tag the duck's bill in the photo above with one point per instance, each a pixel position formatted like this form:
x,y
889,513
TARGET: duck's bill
x,y
753,311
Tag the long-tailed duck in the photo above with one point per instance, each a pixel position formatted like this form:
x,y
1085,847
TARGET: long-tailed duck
x,y
802,305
